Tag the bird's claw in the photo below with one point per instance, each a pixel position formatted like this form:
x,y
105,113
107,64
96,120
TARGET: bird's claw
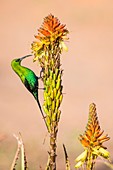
x,y
42,70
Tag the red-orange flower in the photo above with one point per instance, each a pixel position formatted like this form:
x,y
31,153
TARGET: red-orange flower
x,y
92,141
51,36
52,29
92,136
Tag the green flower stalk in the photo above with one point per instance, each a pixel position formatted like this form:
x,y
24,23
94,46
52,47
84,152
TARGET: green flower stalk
x,y
47,50
92,141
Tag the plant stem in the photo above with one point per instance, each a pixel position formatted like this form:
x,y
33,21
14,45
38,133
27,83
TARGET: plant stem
x,y
53,146
90,163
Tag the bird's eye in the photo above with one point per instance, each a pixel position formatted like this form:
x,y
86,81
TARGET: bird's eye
x,y
17,60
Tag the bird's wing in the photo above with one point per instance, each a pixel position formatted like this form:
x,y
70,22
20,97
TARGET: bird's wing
x,y
27,85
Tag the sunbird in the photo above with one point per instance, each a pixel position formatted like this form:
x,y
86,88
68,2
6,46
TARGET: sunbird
x,y
28,78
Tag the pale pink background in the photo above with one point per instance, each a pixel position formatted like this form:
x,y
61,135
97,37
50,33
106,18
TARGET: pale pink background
x,y
88,76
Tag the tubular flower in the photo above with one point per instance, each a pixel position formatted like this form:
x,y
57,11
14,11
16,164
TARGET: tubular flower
x,y
92,141
47,50
51,33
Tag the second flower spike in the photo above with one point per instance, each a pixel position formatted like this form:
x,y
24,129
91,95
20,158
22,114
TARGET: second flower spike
x,y
92,141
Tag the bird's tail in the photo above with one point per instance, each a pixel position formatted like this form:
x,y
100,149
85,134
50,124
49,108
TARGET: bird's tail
x,y
35,94
40,109
36,97
42,113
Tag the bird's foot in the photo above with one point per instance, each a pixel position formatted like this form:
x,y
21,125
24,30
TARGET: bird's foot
x,y
41,88
42,70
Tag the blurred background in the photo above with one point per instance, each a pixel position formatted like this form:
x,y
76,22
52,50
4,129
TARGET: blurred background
x,y
87,78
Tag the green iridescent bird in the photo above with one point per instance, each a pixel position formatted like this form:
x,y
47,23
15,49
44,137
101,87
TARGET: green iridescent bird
x,y
28,78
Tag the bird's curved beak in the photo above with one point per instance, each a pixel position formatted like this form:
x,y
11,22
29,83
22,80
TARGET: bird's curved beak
x,y
25,57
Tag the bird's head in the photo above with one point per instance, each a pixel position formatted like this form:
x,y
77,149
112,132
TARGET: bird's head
x,y
17,61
